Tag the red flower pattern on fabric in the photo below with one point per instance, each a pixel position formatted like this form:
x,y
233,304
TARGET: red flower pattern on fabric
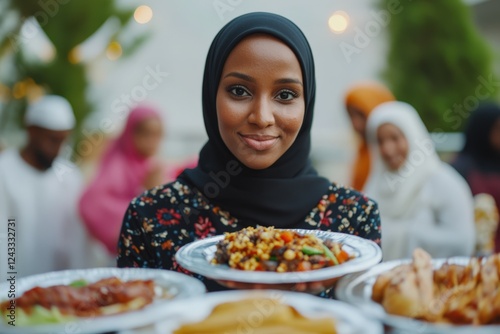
x,y
203,228
168,216
325,218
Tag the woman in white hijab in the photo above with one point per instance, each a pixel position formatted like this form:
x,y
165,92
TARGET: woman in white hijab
x,y
423,201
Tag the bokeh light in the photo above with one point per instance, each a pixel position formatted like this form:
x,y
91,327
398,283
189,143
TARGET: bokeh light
x,y
143,14
74,56
114,51
47,53
4,93
19,90
33,90
338,22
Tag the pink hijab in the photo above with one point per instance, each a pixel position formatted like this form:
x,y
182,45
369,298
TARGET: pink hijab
x,y
119,179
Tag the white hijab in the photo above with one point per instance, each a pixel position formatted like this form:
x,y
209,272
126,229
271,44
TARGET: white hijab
x,y
397,192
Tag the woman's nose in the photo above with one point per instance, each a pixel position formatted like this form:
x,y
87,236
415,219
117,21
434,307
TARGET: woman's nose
x,y
262,113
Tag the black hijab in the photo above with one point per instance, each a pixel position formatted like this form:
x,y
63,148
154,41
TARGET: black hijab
x,y
284,193
477,137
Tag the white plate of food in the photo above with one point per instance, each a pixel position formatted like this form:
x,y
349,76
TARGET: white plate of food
x,y
264,311
303,255
424,295
92,300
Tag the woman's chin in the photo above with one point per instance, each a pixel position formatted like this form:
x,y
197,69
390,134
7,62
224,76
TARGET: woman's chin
x,y
258,164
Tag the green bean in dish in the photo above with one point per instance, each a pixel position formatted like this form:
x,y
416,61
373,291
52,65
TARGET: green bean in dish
x,y
270,249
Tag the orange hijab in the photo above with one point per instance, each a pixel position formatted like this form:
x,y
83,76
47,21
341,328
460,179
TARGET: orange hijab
x,y
365,97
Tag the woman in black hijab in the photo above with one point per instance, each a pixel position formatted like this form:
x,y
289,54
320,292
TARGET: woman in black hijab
x,y
258,101
479,160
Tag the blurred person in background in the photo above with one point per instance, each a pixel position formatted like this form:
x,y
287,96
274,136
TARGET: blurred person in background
x,y
423,201
360,100
486,220
479,160
127,168
40,191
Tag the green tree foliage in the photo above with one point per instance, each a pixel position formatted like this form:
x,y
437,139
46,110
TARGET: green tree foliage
x,y
437,60
67,24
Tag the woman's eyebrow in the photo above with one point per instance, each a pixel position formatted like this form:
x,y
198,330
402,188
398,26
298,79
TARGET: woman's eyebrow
x,y
288,80
250,79
240,76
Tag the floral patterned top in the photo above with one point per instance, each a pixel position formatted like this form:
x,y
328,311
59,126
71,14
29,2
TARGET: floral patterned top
x,y
160,221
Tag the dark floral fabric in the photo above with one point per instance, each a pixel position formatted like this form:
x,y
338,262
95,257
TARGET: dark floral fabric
x,y
160,221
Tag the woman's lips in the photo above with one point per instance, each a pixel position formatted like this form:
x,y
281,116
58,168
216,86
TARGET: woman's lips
x,y
259,143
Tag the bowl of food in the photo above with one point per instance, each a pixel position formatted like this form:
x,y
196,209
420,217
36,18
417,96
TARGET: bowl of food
x,y
425,295
92,300
265,257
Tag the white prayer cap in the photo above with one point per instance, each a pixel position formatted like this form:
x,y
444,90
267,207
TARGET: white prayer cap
x,y
51,112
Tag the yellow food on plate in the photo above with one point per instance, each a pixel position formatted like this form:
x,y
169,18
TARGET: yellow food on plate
x,y
269,249
454,294
258,316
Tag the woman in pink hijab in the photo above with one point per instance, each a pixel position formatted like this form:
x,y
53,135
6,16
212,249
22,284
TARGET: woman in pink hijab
x,y
127,169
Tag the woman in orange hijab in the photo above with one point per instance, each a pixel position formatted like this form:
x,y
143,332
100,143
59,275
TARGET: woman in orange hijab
x,y
360,100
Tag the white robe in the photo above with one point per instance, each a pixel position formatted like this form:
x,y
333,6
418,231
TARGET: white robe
x,y
441,224
49,234
425,203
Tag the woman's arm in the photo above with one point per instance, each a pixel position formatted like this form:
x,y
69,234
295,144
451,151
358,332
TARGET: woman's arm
x,y
133,244
453,231
369,226
349,211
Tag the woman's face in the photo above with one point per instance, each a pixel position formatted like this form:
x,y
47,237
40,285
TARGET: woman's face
x,y
147,136
495,135
260,101
358,120
393,146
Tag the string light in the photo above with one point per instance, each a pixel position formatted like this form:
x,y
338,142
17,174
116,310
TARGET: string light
x,y
74,56
19,90
4,92
114,51
33,91
338,22
143,14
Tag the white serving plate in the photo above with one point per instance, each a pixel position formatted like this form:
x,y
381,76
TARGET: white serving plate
x,y
175,284
356,289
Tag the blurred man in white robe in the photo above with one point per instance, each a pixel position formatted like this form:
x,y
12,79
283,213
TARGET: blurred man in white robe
x,y
38,195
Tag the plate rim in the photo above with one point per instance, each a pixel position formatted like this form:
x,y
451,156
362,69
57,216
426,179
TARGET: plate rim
x,y
219,272
148,315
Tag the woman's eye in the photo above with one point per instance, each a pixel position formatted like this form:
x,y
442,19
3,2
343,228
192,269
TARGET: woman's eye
x,y
286,95
239,91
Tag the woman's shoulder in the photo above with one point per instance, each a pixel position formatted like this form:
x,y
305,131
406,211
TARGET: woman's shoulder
x,y
346,193
168,195
342,198
446,174
448,179
344,209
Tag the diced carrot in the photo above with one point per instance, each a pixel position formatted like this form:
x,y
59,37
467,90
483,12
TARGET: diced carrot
x,y
286,236
343,256
304,266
